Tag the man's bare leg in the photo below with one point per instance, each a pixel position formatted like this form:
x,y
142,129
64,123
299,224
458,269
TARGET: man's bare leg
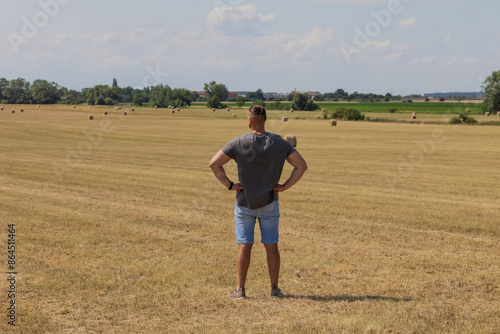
x,y
242,263
273,262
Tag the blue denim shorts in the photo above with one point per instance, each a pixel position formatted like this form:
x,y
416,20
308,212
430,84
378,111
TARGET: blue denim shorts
x,y
245,220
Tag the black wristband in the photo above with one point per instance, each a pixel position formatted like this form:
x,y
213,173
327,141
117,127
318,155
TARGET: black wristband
x,y
231,186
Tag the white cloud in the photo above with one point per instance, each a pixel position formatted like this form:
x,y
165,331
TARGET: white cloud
x,y
220,14
316,39
422,61
224,65
238,20
405,46
379,45
411,22
387,59
447,40
462,61
267,18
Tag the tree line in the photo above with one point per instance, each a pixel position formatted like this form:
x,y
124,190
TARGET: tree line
x,y
20,91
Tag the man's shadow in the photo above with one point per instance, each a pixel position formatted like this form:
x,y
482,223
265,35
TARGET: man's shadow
x,y
347,298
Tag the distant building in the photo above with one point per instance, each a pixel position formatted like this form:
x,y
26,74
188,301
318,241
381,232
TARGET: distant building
x,y
456,95
275,96
310,94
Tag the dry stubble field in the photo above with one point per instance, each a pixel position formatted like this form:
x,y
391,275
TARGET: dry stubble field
x,y
122,228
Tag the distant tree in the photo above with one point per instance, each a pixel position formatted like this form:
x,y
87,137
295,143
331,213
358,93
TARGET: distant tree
x,y
181,97
215,93
137,99
18,91
463,118
146,91
127,94
340,94
427,99
310,105
259,102
442,99
160,96
44,92
4,83
240,101
115,82
195,96
164,96
257,95
277,105
348,114
491,88
103,95
303,102
299,101
72,96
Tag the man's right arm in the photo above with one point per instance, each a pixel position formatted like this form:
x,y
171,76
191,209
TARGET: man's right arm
x,y
299,168
216,164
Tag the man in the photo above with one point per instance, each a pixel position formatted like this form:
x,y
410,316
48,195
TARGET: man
x,y
260,157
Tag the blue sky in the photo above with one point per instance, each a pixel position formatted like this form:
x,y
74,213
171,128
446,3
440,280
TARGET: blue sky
x,y
378,46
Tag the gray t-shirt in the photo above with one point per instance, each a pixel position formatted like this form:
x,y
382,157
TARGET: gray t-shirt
x,y
260,160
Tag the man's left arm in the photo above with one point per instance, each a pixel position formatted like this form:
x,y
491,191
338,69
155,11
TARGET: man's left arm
x,y
216,164
299,168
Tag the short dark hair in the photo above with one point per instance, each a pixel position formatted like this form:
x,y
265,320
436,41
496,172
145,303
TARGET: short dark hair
x,y
258,112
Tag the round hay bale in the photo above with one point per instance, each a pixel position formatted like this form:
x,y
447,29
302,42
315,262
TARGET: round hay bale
x,y
413,115
1,108
178,109
234,115
317,117
91,117
74,107
132,109
284,118
105,113
228,109
487,113
291,139
333,122
213,109
291,110
124,113
21,110
13,111
156,107
498,113
38,106
173,111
